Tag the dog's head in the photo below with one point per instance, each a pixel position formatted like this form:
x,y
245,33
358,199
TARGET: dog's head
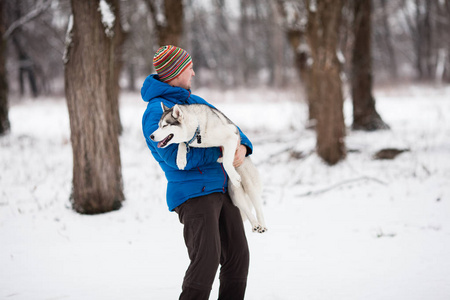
x,y
171,127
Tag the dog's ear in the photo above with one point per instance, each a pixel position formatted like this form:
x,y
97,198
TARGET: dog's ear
x,y
177,113
164,108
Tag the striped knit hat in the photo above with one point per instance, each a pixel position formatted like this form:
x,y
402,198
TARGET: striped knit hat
x,y
170,61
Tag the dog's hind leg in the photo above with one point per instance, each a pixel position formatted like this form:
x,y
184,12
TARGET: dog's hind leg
x,y
255,197
228,158
238,197
252,187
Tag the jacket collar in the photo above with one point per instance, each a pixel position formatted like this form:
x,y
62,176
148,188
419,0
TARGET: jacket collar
x,y
154,88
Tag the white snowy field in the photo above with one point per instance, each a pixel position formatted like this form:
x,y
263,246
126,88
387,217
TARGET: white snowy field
x,y
363,229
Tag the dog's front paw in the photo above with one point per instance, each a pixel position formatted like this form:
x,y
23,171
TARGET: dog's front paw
x,y
181,162
220,160
259,228
181,156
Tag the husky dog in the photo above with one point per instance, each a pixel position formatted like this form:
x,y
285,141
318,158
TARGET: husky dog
x,y
198,125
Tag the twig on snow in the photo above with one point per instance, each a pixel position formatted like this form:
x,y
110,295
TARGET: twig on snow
x,y
321,191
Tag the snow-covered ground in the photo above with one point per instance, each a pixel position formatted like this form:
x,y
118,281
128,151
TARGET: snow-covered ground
x,y
363,229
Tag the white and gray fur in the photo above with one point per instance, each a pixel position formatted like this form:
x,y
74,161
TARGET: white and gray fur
x,y
201,126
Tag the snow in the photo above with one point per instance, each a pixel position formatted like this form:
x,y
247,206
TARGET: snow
x,y
68,40
363,229
108,17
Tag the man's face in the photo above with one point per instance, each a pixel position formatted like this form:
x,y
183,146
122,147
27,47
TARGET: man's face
x,y
184,79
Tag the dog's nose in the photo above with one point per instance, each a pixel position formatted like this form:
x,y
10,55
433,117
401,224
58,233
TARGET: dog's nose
x,y
152,137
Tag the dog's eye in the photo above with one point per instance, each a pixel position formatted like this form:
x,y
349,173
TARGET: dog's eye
x,y
165,125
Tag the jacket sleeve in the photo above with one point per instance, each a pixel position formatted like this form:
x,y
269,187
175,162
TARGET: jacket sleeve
x,y
246,142
196,157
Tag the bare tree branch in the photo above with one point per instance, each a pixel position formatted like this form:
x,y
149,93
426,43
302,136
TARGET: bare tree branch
x,y
40,8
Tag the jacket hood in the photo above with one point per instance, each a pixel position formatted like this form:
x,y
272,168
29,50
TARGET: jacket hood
x,y
153,88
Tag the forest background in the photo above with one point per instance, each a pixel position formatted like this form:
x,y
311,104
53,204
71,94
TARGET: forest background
x,y
229,40
71,143
106,47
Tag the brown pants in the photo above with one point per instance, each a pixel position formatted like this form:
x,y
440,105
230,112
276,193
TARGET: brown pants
x,y
214,233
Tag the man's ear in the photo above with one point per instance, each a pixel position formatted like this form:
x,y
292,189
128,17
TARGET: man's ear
x,y
177,113
164,108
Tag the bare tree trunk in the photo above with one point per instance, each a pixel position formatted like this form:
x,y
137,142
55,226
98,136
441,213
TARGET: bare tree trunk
x,y
131,77
423,39
27,66
244,24
365,116
170,29
296,37
4,119
118,40
446,74
388,41
275,38
89,72
418,42
323,35
301,56
221,40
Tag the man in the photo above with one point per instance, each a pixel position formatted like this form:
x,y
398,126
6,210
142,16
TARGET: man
x,y
213,228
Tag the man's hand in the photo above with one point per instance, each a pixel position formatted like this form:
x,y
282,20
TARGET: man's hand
x,y
239,155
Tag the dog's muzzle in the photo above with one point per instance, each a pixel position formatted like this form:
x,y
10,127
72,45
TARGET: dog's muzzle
x,y
164,142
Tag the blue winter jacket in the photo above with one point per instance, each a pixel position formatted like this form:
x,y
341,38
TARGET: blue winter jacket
x,y
202,174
